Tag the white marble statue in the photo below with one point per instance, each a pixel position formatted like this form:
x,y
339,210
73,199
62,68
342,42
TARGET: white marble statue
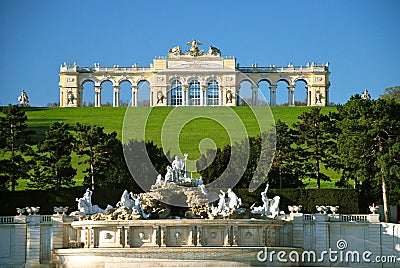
x,y
270,207
265,200
178,168
234,202
221,209
125,201
86,207
137,208
365,95
23,99
169,176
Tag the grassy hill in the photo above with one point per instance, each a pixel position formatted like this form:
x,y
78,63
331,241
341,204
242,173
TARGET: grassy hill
x,y
162,124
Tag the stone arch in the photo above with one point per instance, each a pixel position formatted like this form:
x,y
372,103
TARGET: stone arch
x,y
300,93
176,77
282,90
264,91
142,79
210,78
284,79
87,79
301,78
266,79
88,95
126,93
193,78
125,79
108,79
143,92
247,79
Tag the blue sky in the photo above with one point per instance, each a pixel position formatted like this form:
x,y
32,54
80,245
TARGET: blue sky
x,y
359,38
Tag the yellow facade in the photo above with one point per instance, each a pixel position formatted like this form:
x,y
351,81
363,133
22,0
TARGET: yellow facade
x,y
193,78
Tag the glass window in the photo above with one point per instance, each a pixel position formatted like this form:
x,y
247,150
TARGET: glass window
x,y
176,93
194,93
213,93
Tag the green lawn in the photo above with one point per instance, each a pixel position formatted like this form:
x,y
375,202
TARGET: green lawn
x,y
198,128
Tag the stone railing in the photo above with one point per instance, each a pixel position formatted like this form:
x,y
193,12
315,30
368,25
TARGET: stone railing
x,y
81,69
291,69
372,218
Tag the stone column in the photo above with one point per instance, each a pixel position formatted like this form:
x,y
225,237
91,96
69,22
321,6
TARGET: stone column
x,y
290,95
203,100
33,240
80,96
62,97
97,97
185,97
221,96
272,95
116,96
254,95
134,95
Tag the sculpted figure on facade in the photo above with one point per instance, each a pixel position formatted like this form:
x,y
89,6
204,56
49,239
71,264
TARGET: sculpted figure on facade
x,y
160,97
175,51
194,50
71,98
213,51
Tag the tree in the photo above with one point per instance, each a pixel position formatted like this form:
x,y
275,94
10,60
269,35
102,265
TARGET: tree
x,y
369,143
14,142
243,165
287,168
53,160
391,93
314,133
92,147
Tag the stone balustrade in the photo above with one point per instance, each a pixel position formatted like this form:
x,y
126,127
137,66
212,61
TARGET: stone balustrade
x,y
33,240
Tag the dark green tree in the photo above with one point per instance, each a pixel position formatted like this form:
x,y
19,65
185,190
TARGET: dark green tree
x,y
287,170
314,135
93,146
369,145
244,164
145,161
391,93
53,159
14,142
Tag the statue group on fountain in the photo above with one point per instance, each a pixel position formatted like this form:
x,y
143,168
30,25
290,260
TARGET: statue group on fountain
x,y
226,205
270,207
86,207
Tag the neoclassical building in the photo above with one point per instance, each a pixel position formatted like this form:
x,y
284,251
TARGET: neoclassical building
x,y
194,78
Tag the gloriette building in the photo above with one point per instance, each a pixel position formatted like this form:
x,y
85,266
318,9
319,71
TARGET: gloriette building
x,y
194,78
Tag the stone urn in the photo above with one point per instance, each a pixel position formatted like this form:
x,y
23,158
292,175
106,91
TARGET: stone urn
x,y
322,209
35,210
297,209
334,209
373,208
20,211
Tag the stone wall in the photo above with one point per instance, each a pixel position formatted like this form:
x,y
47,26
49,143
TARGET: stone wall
x,y
296,240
